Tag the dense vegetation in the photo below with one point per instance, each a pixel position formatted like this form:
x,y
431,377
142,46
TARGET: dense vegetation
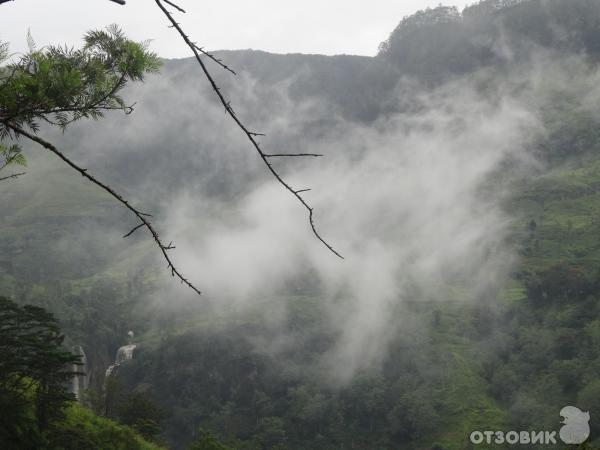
x,y
35,371
508,358
439,43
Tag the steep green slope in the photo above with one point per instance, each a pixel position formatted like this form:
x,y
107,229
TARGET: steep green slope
x,y
83,429
505,363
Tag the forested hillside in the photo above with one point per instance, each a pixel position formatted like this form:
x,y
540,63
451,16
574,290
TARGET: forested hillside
x,y
461,181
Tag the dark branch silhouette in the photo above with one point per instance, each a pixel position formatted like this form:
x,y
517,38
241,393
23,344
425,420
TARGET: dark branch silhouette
x,y
249,134
14,175
178,8
140,215
220,63
134,230
11,127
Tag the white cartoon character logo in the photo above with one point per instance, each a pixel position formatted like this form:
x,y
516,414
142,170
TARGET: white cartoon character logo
x,y
576,428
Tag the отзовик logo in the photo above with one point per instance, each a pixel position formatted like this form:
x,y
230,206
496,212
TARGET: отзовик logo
x,y
575,430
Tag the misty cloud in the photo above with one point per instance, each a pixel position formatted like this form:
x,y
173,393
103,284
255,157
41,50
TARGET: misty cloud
x,y
406,200
411,200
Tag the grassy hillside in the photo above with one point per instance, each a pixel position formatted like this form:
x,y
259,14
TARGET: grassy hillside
x,y
83,429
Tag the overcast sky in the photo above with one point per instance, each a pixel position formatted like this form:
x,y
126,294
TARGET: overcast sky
x,y
308,26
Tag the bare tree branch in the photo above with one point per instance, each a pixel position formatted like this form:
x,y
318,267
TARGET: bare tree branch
x,y
134,230
144,222
250,135
141,216
14,175
220,63
178,8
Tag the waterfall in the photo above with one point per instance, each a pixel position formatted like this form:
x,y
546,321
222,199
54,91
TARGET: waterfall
x,y
79,383
124,353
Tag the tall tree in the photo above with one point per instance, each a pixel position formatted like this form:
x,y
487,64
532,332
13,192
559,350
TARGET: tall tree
x,y
34,370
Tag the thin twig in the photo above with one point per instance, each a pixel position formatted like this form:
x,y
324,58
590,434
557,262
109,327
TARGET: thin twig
x,y
14,175
84,172
215,59
134,230
178,8
249,134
